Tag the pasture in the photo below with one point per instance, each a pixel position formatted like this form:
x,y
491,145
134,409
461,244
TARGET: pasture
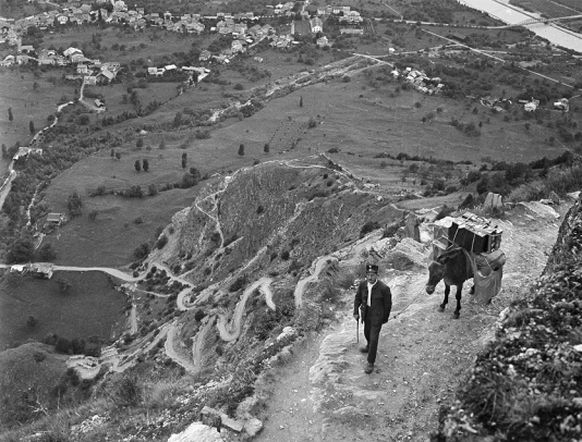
x,y
32,98
121,223
70,304
550,8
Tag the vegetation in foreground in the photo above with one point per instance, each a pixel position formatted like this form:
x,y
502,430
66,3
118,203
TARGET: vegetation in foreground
x,y
527,384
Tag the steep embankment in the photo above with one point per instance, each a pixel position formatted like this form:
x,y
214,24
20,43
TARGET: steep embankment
x,y
527,384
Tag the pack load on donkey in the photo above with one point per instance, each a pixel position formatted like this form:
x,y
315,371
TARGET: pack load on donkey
x,y
481,243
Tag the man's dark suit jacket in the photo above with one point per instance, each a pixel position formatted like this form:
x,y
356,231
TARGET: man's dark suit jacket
x,y
381,302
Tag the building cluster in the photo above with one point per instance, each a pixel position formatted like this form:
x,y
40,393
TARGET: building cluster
x,y
420,81
242,27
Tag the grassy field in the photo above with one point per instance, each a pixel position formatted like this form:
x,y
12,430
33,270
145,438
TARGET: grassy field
x,y
89,307
550,8
17,91
362,123
121,223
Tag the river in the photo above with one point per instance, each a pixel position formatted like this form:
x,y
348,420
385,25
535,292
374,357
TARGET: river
x,y
510,14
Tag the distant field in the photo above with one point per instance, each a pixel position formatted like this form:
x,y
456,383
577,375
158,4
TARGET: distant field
x,y
17,91
89,307
121,223
550,8
150,44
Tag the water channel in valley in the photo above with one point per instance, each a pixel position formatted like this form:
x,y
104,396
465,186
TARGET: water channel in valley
x,y
511,15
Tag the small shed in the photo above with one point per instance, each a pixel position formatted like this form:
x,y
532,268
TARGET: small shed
x,y
55,218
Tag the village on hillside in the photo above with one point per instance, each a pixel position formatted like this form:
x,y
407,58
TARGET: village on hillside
x,y
243,28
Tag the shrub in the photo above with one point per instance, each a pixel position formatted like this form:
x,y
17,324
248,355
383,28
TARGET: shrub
x,y
127,391
141,251
330,293
444,212
199,315
368,227
238,284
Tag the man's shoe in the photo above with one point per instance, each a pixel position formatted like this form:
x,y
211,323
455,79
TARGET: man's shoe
x,y
369,368
364,349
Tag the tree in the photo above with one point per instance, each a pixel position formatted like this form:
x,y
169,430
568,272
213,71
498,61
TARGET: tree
x,y
141,251
162,144
74,204
21,250
301,101
139,143
35,85
137,166
266,148
241,150
31,127
10,116
184,160
178,119
188,181
145,165
118,155
47,252
195,174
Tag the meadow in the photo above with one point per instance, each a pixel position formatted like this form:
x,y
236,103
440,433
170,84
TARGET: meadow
x,y
32,98
70,304
120,223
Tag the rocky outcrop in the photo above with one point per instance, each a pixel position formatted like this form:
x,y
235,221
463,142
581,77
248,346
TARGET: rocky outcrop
x,y
274,215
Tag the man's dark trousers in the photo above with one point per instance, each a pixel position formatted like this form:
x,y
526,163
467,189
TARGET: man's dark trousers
x,y
372,335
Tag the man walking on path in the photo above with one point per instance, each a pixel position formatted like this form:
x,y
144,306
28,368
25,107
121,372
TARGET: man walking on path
x,y
374,299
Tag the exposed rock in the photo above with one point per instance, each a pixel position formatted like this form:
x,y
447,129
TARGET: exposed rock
x,y
553,196
493,201
406,255
226,421
197,432
540,210
411,227
253,426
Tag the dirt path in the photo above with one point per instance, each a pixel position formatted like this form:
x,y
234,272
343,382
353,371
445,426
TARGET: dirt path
x,y
323,394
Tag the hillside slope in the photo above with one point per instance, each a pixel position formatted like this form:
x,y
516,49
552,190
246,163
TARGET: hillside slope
x,y
424,355
261,329
320,392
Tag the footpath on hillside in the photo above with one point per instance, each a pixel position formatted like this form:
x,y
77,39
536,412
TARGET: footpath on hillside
x,y
322,392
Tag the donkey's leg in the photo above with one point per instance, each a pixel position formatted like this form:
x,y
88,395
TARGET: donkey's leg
x,y
458,296
446,300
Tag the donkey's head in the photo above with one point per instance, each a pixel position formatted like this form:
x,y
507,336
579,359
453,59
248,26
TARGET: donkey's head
x,y
438,268
436,272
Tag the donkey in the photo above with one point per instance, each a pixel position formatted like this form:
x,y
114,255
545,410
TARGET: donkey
x,y
454,267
